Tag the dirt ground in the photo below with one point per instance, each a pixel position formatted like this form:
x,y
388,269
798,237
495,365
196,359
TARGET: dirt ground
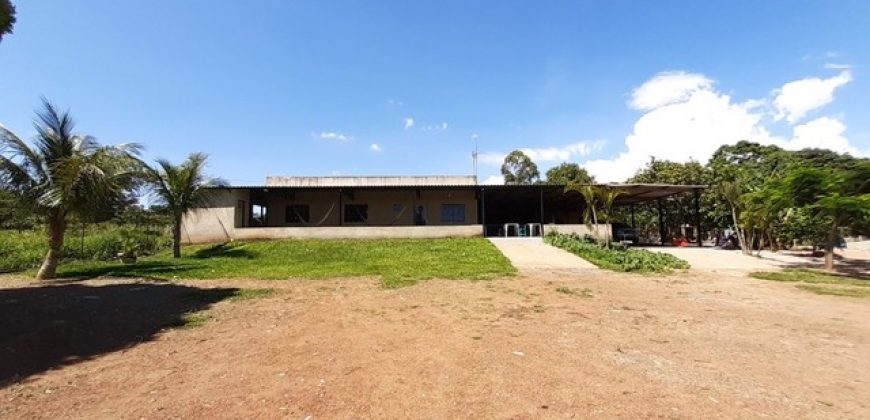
x,y
691,345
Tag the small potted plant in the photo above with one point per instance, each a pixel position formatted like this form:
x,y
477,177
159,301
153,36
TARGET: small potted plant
x,y
129,251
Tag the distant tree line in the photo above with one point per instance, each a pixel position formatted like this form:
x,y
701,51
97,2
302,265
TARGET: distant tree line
x,y
768,197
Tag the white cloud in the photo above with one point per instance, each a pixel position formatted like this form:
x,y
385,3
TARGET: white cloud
x,y
408,123
836,66
395,102
824,133
375,147
564,153
795,99
667,88
491,158
547,154
441,127
331,135
696,119
493,180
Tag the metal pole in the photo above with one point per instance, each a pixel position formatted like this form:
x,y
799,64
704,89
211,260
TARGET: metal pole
x,y
340,207
698,217
661,221
483,210
633,223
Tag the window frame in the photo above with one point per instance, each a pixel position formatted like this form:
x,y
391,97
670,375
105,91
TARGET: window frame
x,y
365,213
304,210
453,220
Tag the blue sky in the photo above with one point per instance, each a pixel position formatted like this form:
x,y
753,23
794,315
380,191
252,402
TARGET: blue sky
x,y
310,87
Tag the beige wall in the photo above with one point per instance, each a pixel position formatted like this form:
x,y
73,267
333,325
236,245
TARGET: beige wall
x,y
359,232
219,222
382,205
604,230
216,223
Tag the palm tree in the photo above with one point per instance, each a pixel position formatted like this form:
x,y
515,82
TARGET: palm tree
x,y
590,196
733,193
181,188
607,196
62,174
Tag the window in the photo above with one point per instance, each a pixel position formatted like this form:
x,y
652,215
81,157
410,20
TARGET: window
x,y
259,215
356,213
453,213
297,213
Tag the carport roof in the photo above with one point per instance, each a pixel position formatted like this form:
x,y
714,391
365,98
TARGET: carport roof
x,y
633,193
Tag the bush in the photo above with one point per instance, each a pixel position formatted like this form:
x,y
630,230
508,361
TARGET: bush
x,y
617,258
26,249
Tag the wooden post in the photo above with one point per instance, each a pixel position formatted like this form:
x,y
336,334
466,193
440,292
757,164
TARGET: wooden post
x,y
661,221
483,210
633,222
698,217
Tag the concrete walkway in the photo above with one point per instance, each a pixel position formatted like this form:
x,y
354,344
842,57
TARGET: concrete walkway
x,y
713,259
532,255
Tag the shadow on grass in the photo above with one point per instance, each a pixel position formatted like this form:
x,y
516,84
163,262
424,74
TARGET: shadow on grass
x,y
224,251
46,327
851,267
155,270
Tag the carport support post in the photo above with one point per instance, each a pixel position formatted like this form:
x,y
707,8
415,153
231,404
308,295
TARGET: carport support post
x,y
483,210
661,221
698,217
633,223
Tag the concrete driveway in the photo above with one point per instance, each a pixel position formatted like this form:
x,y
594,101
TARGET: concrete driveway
x,y
713,259
530,255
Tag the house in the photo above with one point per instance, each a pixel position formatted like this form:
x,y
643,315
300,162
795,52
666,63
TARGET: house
x,y
396,207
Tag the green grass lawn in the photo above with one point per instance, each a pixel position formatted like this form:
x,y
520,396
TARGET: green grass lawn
x,y
399,262
819,283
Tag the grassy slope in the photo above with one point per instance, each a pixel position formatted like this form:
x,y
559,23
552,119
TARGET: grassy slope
x,y
397,261
819,283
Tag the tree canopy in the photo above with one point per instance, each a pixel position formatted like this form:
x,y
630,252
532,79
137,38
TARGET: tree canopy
x,y
567,174
518,168
63,174
7,17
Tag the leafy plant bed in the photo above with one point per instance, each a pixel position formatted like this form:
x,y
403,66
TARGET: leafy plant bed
x,y
617,258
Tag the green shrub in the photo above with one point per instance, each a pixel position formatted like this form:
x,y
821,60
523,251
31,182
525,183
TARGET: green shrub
x,y
617,258
26,249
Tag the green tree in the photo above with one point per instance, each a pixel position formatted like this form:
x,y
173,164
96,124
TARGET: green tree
x,y
590,209
518,168
7,17
832,195
181,188
567,174
63,174
677,210
607,197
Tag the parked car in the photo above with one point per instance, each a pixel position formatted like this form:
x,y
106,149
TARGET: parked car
x,y
624,233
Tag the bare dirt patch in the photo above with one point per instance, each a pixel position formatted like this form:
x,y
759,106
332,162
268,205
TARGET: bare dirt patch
x,y
682,346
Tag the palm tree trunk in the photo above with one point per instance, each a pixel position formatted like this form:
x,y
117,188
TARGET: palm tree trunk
x,y
741,235
595,220
829,247
176,237
56,232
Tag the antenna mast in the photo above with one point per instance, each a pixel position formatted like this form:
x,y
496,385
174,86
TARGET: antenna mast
x,y
474,155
